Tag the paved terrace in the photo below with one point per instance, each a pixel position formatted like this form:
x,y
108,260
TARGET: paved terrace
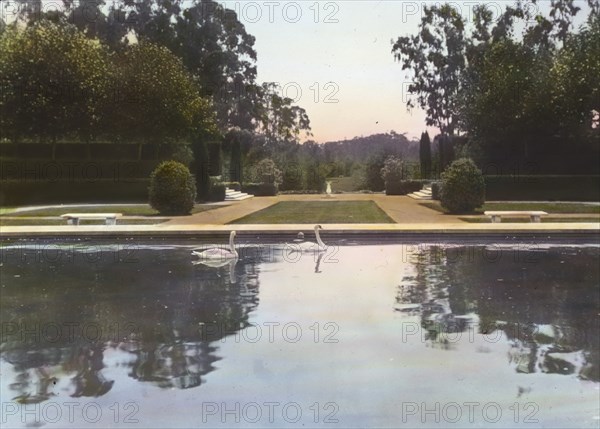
x,y
411,218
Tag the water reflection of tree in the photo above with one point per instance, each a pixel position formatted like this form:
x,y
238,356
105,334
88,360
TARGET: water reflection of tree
x,y
546,302
175,350
154,309
431,294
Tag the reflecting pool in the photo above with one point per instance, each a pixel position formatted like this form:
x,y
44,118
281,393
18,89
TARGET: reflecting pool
x,y
395,335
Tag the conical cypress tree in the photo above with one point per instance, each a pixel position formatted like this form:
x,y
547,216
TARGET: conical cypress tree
x,y
425,155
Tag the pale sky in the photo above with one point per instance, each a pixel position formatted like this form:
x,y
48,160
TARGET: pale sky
x,y
334,58
347,44
352,55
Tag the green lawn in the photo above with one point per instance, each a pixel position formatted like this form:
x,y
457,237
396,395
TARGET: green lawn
x,y
128,210
547,207
52,222
318,212
551,208
6,210
484,219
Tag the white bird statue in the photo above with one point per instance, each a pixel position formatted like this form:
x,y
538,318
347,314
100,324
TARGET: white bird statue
x,y
216,256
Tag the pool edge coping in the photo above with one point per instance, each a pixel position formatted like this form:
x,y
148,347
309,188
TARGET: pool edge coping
x,y
590,229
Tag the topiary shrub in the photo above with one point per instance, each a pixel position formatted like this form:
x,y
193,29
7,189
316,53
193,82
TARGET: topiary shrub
x,y
463,187
172,189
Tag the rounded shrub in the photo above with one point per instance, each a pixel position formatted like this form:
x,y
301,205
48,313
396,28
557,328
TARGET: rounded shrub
x,y
463,187
172,189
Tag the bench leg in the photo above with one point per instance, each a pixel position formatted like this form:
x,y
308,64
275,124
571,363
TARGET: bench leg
x,y
496,219
535,219
111,221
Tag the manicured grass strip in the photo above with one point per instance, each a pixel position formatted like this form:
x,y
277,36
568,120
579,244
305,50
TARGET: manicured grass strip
x,y
485,219
129,210
435,205
6,210
318,212
550,208
547,207
52,222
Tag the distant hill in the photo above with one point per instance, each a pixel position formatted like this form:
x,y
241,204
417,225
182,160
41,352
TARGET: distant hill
x,y
359,149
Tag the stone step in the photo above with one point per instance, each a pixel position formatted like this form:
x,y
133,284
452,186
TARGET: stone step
x,y
239,198
420,196
233,195
416,197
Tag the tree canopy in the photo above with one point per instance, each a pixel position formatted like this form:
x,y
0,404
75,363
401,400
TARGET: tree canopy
x,y
436,59
280,120
522,88
158,100
55,82
212,43
58,83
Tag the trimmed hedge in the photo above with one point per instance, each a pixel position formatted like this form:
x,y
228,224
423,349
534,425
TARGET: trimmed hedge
x,y
107,150
19,192
301,192
543,188
44,170
217,192
236,186
436,190
403,187
260,189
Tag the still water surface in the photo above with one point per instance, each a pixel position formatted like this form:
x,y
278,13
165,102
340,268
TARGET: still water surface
x,y
365,336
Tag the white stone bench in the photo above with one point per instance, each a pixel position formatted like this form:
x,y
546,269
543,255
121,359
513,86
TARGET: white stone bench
x,y
496,216
109,218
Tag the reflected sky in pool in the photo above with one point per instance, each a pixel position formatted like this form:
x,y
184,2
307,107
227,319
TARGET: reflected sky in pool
x,y
364,336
